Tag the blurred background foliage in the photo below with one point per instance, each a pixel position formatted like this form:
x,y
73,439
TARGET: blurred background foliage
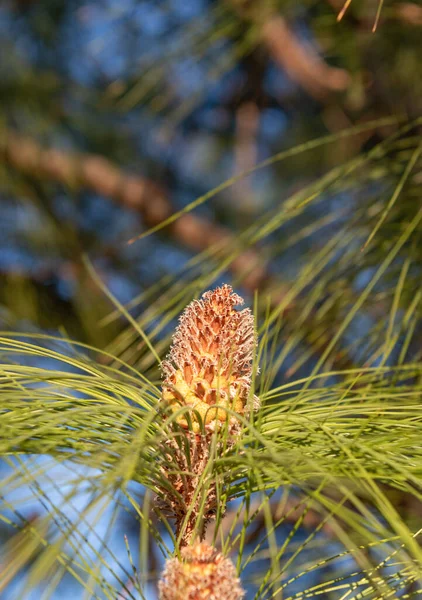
x,y
275,145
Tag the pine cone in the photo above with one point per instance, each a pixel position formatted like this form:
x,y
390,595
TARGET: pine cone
x,y
210,361
203,573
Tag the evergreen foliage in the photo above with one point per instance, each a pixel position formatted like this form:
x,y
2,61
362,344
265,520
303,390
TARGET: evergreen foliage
x,y
319,495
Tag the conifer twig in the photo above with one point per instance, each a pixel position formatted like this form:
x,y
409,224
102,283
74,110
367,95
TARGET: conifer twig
x,y
142,195
207,385
297,59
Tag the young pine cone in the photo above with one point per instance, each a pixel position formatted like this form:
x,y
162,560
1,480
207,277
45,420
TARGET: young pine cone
x,y
210,360
203,573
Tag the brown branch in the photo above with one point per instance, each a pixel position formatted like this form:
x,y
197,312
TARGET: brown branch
x,y
298,59
136,193
245,149
410,13
300,62
89,171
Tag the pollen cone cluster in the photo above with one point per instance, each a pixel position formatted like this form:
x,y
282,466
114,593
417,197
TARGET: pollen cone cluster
x,y
209,367
207,384
203,573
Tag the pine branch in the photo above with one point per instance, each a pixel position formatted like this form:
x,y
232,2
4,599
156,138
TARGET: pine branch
x,y
143,196
297,59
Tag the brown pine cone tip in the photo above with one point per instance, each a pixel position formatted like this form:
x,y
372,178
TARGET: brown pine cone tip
x,y
203,573
210,360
